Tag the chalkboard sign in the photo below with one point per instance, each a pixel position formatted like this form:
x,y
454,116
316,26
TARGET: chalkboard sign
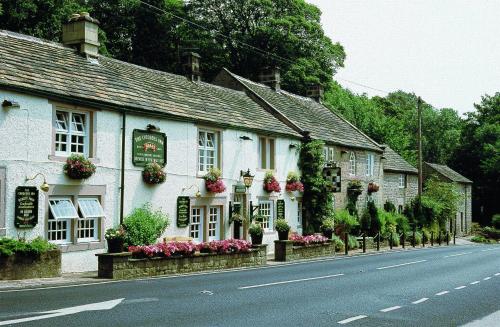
x,y
183,210
280,209
147,147
26,207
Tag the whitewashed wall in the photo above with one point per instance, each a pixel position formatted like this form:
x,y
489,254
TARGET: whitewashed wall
x,y
26,142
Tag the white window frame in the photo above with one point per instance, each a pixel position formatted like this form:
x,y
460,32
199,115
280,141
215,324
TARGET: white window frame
x,y
370,163
268,223
59,221
402,180
89,218
329,153
352,164
203,165
197,227
216,229
69,132
265,148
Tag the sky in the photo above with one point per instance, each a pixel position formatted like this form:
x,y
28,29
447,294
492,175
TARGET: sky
x,y
446,51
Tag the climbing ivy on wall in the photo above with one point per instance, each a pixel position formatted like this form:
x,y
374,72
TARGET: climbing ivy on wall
x,y
317,200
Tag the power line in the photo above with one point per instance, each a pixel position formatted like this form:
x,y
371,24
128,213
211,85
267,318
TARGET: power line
x,y
363,85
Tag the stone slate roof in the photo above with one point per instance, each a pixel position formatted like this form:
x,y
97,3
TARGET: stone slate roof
x,y
311,116
38,67
394,162
448,173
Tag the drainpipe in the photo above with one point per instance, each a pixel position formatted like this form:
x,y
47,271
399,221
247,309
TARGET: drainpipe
x,y
122,170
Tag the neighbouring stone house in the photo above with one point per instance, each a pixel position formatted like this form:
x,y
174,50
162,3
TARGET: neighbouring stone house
x,y
357,155
463,221
59,99
400,183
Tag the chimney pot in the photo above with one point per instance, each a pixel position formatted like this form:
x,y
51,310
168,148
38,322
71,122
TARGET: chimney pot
x,y
270,76
191,66
81,31
316,92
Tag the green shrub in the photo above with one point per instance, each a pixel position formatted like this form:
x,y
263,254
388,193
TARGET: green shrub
x,y
481,239
339,244
328,224
491,232
495,221
144,225
395,238
345,222
418,237
426,235
282,225
365,221
9,246
255,230
389,206
402,224
353,242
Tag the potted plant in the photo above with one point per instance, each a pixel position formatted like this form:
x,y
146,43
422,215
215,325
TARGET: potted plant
x,y
282,228
115,239
78,167
327,227
153,174
213,181
293,183
256,233
373,187
354,187
236,217
270,183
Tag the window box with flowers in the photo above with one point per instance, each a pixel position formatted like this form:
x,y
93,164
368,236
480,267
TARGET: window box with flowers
x,y
293,183
153,174
271,184
78,167
213,181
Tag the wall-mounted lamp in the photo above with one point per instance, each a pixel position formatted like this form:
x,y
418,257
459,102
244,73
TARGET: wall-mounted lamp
x,y
247,178
245,138
197,194
343,152
44,187
293,146
9,104
152,127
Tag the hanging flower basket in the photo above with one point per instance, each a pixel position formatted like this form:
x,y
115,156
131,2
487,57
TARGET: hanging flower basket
x,y
373,187
213,181
271,184
293,183
354,188
78,167
153,174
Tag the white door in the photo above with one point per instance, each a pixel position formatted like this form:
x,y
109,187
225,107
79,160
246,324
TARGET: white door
x,y
266,209
213,223
196,224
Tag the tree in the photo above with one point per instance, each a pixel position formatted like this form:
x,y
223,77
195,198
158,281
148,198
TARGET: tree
x,y
446,196
478,156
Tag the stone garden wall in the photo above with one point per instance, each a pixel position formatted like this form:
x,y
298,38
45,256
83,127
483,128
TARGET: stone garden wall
x,y
286,251
123,266
18,266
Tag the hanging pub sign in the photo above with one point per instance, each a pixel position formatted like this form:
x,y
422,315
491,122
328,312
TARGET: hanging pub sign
x,y
183,209
147,147
26,207
333,177
280,209
240,188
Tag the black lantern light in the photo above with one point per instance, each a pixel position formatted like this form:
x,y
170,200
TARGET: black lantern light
x,y
247,178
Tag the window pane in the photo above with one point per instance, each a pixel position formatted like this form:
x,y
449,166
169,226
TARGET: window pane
x,y
90,208
213,223
78,123
87,230
58,231
265,209
195,225
62,209
330,154
61,121
201,160
201,139
210,140
262,142
271,153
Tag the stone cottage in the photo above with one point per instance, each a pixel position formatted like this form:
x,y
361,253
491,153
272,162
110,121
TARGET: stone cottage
x,y
62,99
400,183
463,221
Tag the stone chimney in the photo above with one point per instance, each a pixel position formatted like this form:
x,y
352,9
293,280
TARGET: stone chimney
x,y
270,76
81,32
315,91
191,66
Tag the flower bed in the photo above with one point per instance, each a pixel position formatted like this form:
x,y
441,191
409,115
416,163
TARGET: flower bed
x,y
302,247
180,257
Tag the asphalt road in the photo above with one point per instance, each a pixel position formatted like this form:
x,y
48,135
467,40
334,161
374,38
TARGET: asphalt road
x,y
445,286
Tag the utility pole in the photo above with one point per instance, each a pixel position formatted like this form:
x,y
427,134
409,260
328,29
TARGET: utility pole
x,y
419,140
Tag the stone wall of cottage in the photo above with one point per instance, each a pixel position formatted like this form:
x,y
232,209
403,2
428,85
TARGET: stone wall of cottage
x,y
28,150
464,209
399,196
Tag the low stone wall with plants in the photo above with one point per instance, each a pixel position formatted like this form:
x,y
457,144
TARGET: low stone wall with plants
x,y
299,247
24,260
128,265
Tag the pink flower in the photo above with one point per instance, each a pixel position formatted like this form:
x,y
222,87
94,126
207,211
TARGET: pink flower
x,y
215,187
294,186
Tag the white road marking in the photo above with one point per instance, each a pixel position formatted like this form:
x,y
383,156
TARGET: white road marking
x,y
460,287
456,255
348,320
402,264
490,249
476,282
486,278
107,305
289,281
442,293
497,274
421,300
390,309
